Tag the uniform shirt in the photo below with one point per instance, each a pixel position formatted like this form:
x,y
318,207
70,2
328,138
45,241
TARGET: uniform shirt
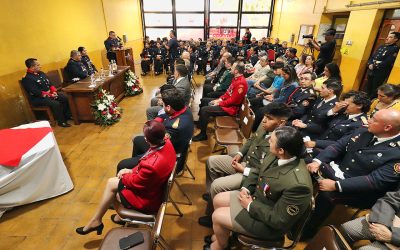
x,y
326,51
366,168
173,47
383,59
225,81
111,44
234,95
301,100
37,85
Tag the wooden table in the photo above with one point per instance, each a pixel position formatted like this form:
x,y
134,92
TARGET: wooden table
x,y
81,96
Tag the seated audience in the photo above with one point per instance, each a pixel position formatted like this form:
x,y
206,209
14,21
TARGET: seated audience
x,y
142,189
306,64
178,122
227,104
42,93
291,57
304,96
225,172
214,75
90,68
160,56
365,167
153,111
265,207
388,95
331,71
215,91
257,75
378,226
314,122
146,59
348,115
75,69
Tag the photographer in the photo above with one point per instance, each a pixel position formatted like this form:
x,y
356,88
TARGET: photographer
x,y
326,50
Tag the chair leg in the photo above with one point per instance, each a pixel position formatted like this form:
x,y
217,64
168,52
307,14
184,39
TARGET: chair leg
x,y
216,149
51,117
190,172
189,202
163,243
180,214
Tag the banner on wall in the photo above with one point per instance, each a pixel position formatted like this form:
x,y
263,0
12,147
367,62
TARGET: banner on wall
x,y
222,32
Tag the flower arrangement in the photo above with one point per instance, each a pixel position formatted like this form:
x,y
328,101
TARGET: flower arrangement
x,y
105,109
132,85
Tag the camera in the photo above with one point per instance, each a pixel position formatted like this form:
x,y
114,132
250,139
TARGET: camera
x,y
308,36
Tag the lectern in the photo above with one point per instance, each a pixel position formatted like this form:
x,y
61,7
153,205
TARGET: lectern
x,y
125,58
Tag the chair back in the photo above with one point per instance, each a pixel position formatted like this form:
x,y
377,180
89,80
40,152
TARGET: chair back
x,y
297,229
170,182
244,108
329,238
66,79
156,232
54,78
271,55
246,124
25,94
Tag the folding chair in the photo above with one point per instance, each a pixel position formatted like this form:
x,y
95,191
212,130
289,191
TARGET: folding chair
x,y
232,122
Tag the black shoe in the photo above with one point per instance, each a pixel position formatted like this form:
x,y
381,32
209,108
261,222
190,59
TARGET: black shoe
x,y
207,239
206,197
206,247
64,124
205,221
119,222
143,74
199,137
99,230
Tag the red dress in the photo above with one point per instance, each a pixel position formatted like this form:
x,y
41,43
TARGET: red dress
x,y
144,187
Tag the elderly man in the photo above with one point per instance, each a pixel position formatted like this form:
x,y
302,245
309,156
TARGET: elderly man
x,y
257,75
214,75
75,69
379,226
367,166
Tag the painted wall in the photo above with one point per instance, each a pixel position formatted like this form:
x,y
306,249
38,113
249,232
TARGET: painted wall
x,y
48,30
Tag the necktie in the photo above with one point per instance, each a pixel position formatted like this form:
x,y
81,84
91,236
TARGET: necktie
x,y
372,142
320,104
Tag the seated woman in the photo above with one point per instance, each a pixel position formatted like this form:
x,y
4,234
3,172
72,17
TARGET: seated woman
x,y
306,64
388,95
272,198
331,71
141,188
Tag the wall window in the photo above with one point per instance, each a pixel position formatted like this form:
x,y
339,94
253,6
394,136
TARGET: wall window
x,y
206,18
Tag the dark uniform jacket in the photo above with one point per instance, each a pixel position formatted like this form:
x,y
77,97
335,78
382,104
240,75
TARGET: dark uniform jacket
x,y
281,195
111,44
383,212
293,61
255,149
224,81
383,59
368,169
36,84
88,65
300,101
339,127
317,119
76,69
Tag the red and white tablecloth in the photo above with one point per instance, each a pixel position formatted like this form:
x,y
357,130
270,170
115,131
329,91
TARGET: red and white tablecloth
x,y
31,166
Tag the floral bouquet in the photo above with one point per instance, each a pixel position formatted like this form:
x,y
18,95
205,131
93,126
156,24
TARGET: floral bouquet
x,y
132,85
105,109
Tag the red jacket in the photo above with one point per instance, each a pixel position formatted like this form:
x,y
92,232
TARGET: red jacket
x,y
144,187
233,97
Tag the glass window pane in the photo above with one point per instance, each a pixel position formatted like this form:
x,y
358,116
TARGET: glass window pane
x,y
157,5
255,20
189,20
222,32
185,5
223,20
256,5
186,34
257,33
224,5
153,33
158,19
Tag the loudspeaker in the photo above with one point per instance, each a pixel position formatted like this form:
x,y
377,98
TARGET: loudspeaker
x,y
125,38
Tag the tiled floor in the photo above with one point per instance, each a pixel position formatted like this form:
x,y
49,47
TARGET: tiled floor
x,y
91,154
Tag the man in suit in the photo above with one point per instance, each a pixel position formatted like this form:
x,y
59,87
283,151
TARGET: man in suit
x,y
42,93
75,68
378,226
112,43
225,172
314,123
365,167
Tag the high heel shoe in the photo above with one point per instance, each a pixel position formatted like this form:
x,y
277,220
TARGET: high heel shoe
x,y
119,222
99,230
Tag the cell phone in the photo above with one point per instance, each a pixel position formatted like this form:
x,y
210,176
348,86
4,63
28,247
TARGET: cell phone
x,y
131,241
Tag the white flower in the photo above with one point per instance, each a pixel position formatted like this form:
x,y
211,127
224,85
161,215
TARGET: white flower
x,y
110,97
101,107
109,116
129,83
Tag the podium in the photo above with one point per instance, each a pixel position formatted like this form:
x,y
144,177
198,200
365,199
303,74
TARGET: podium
x,y
125,58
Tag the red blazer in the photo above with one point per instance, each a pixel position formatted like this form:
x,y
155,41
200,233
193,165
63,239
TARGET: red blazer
x,y
144,187
233,97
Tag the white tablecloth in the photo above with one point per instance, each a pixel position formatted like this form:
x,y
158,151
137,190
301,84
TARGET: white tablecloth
x,y
40,175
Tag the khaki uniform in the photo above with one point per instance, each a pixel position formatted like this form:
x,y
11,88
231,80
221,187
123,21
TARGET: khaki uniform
x,y
281,195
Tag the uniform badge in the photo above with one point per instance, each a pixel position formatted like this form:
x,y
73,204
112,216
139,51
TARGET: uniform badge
x,y
176,123
396,168
392,144
305,103
266,189
379,154
292,210
240,90
398,143
364,120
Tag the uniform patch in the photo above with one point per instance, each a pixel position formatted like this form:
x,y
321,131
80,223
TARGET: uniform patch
x,y
167,135
176,123
396,168
305,103
240,90
292,210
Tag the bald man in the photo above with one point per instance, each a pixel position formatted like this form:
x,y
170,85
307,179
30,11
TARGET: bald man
x,y
367,165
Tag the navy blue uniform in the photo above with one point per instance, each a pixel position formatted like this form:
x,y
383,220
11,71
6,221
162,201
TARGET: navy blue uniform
x,y
159,55
370,170
37,83
382,60
110,45
317,119
172,52
146,59
301,100
88,65
76,69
